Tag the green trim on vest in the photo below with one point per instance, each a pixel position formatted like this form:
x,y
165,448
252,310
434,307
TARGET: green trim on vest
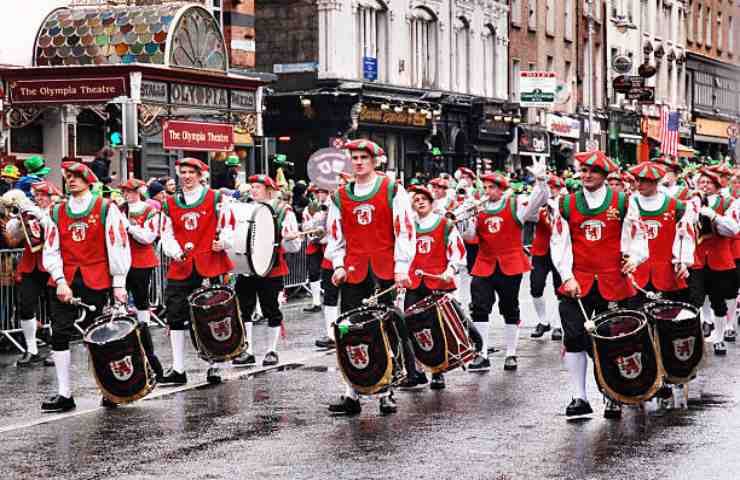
x,y
448,229
512,201
565,206
654,213
582,206
430,229
197,202
621,201
337,200
84,213
391,192
680,209
55,213
364,198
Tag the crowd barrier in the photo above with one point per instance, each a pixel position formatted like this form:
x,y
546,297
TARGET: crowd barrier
x,y
297,278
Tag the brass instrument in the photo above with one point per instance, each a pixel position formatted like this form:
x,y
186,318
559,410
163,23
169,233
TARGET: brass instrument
x,y
11,204
467,210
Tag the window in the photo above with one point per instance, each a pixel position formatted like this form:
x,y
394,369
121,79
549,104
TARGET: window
x,y
516,12
423,48
689,24
516,68
550,17
532,15
217,9
567,76
730,35
719,31
462,55
489,61
708,41
568,19
700,25
550,63
372,37
645,11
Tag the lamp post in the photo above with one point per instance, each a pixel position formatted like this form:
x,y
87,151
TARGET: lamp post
x,y
590,62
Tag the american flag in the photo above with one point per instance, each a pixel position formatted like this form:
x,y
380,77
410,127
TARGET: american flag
x,y
669,122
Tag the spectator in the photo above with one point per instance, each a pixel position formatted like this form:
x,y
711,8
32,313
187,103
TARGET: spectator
x,y
101,165
170,185
300,200
156,194
8,177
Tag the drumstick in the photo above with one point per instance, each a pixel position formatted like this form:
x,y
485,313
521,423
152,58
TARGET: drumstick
x,y
649,295
586,317
78,303
422,273
374,298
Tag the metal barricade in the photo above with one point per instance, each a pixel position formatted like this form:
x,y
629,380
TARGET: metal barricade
x,y
297,278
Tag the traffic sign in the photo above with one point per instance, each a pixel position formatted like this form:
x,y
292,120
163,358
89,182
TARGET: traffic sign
x,y
641,94
370,68
624,83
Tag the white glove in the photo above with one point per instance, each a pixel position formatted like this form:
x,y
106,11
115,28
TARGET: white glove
x,y
707,212
33,209
538,170
447,275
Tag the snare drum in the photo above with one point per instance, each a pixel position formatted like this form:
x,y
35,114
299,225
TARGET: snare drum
x,y
678,338
364,337
256,238
118,359
439,333
216,326
626,364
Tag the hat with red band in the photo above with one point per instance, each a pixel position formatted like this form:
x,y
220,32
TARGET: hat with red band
x,y
466,171
422,191
497,178
555,182
648,171
368,146
597,159
81,170
264,180
667,162
133,184
193,163
46,187
440,182
712,175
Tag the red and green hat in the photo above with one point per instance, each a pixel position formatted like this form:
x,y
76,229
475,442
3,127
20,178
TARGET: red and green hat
x,y
133,184
597,159
46,187
369,146
264,180
555,182
81,170
420,189
668,162
440,182
466,171
35,166
712,175
722,169
193,163
651,171
496,178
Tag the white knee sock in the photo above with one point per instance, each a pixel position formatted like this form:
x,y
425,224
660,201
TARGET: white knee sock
x,y
29,333
316,293
482,328
143,316
540,306
62,364
249,327
330,316
555,318
706,312
719,328
576,363
177,340
275,332
351,393
511,339
732,314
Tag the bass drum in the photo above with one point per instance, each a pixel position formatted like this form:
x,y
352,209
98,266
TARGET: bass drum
x,y
118,359
256,238
626,365
216,324
678,338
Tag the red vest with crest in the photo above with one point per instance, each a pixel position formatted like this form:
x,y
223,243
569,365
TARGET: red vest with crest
x,y
715,250
431,255
142,255
499,234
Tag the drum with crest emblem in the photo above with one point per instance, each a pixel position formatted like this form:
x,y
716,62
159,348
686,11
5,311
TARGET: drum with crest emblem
x,y
678,338
216,326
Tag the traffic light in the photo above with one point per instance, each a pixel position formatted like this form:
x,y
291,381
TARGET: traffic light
x,y
114,126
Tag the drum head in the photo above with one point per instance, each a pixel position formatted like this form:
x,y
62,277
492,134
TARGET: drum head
x,y
261,240
211,296
107,331
618,323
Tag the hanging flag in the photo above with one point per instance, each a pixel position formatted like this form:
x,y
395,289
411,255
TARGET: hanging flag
x,y
669,123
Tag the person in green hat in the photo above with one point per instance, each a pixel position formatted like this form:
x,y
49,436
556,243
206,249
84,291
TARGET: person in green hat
x,y
9,176
36,171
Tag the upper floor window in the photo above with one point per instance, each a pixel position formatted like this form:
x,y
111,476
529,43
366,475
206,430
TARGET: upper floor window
x,y
516,12
700,25
532,15
461,60
372,37
217,8
708,41
568,19
719,31
423,48
489,61
550,17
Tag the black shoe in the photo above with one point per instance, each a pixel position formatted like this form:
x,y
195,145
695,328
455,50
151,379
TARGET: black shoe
x,y
438,382
270,359
665,392
510,363
58,403
108,403
730,335
346,405
612,410
413,380
213,375
173,378
49,360
325,342
557,334
707,328
540,330
578,406
312,309
244,360
388,405
720,348
480,364
29,360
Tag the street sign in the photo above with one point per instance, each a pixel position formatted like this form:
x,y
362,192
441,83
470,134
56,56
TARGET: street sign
x,y
622,64
370,68
625,83
641,94
537,89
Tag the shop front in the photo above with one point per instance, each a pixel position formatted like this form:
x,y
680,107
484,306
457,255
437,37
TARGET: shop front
x,y
531,141
493,127
565,132
713,138
625,137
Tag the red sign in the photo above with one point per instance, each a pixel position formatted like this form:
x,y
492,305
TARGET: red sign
x,y
178,135
77,90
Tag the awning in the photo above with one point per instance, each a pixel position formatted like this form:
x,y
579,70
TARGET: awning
x,y
685,152
630,138
708,139
489,149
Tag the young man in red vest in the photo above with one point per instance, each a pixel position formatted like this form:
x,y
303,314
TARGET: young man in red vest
x,y
193,228
542,264
86,253
597,241
713,272
501,261
467,192
440,254
315,217
248,288
33,278
669,183
670,236
371,241
443,201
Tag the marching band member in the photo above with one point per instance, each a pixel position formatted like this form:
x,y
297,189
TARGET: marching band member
x,y
542,264
443,202
596,241
668,231
731,330
194,228
467,192
713,272
315,217
501,261
440,251
249,288
371,240
34,279
670,184
615,181
86,252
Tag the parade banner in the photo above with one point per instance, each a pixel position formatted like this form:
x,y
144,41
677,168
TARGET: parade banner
x,y
199,136
76,90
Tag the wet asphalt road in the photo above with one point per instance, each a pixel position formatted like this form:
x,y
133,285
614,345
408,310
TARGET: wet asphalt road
x,y
265,425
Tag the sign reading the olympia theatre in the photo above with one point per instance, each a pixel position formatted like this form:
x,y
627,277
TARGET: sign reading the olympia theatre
x,y
78,90
199,136
537,89
197,96
391,117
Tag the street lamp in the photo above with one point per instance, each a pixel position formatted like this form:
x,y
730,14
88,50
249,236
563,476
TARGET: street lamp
x,y
590,76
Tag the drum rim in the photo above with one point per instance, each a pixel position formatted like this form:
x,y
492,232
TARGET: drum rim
x,y
365,308
612,313
103,319
200,290
278,239
648,307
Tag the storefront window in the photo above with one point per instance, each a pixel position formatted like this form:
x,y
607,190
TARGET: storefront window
x,y
28,139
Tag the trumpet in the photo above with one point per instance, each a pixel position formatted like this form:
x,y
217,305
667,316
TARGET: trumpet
x,y
313,233
467,210
10,204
